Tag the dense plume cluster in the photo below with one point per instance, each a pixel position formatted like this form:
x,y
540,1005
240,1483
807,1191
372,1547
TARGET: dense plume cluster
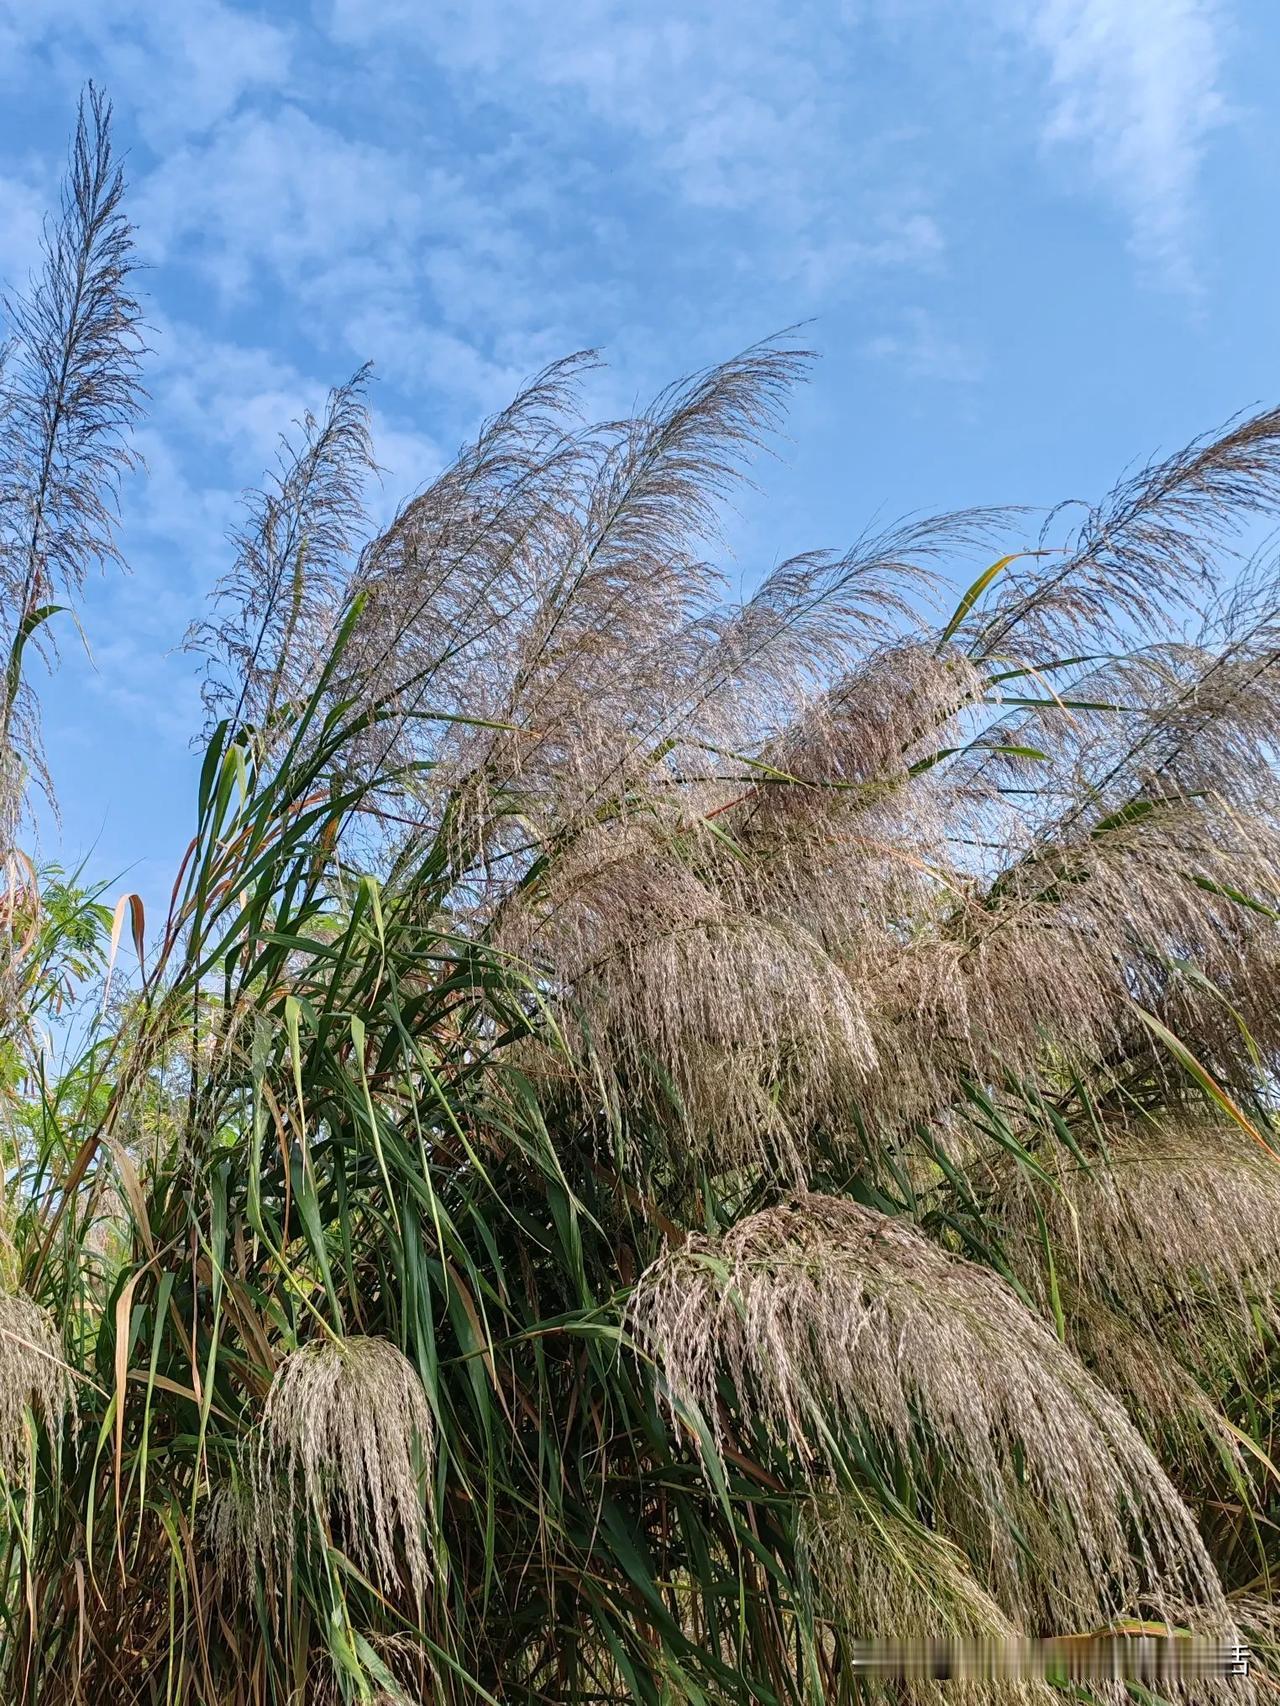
x,y
766,854
1178,1217
855,999
824,1314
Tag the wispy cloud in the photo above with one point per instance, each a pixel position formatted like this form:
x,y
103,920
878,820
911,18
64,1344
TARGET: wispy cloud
x,y
921,349
499,183
1136,85
399,255
22,207
743,112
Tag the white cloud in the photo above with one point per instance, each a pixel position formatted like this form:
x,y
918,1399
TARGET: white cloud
x,y
179,67
191,64
429,359
278,191
407,459
460,258
227,396
1136,85
438,268
124,674
393,253
219,411
896,239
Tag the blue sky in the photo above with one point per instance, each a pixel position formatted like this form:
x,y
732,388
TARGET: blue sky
x,y
1036,239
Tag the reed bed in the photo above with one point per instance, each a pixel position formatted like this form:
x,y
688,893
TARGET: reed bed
x,y
660,1136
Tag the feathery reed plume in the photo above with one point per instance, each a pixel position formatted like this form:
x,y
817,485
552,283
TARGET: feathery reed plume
x,y
574,594
35,1379
823,1308
277,609
328,1692
882,1578
758,1029
347,1431
861,850
450,574
681,987
1175,1221
244,1522
753,667
553,584
1043,961
69,394
325,1686
1148,547
874,725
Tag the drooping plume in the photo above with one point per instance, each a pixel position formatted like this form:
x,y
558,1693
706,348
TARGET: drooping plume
x,y
1162,1244
35,1380
823,1309
348,1437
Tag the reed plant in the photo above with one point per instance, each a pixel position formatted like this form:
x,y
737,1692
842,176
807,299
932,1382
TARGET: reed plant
x,y
659,1136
